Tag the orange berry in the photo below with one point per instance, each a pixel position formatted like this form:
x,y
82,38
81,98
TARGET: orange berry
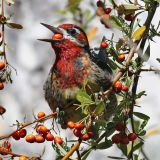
x,y
22,133
58,140
118,86
15,135
49,137
30,138
78,126
104,44
2,65
57,36
1,85
121,57
43,130
41,114
70,124
23,158
39,138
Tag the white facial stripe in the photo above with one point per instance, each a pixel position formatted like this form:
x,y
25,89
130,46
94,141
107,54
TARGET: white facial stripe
x,y
68,36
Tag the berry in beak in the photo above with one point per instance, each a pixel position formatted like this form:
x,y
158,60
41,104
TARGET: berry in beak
x,y
57,37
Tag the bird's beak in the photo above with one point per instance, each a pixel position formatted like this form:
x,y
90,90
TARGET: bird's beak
x,y
54,30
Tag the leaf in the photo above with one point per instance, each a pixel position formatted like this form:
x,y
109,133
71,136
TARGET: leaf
x,y
83,97
14,26
100,108
146,55
123,148
86,155
144,123
158,59
10,1
141,116
112,157
104,145
137,35
130,8
137,146
142,133
139,95
92,33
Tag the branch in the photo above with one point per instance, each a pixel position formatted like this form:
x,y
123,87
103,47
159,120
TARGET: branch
x,y
30,123
72,150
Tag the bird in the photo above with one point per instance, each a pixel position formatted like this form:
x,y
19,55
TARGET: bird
x,y
74,66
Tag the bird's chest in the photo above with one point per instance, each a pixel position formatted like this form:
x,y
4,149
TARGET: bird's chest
x,y
72,72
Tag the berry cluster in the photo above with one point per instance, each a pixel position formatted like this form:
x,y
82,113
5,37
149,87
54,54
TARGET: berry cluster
x,y
5,146
122,137
2,67
42,134
118,86
80,131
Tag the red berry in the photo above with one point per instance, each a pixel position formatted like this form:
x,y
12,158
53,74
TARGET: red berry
x,y
39,138
121,57
118,86
22,133
2,110
100,3
129,17
90,133
120,127
116,138
108,10
85,137
49,137
15,135
30,138
41,115
125,88
77,132
70,124
132,136
6,145
124,140
58,140
1,85
104,44
78,126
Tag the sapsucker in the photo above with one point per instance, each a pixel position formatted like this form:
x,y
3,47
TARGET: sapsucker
x,y
74,66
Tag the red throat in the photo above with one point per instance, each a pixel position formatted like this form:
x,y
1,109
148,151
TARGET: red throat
x,y
67,73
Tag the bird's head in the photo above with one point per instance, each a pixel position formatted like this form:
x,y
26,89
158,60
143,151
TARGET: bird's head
x,y
68,34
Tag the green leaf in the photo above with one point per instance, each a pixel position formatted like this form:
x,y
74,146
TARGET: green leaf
x,y
112,157
142,133
100,108
14,26
158,59
86,155
137,146
141,116
139,95
123,148
104,145
83,98
146,55
144,123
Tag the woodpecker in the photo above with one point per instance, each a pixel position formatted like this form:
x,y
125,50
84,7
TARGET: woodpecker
x,y
74,66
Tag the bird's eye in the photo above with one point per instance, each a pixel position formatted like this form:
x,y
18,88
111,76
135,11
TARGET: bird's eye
x,y
71,31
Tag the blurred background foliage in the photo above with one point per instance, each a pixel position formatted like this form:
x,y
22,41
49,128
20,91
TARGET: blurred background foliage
x,y
33,59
